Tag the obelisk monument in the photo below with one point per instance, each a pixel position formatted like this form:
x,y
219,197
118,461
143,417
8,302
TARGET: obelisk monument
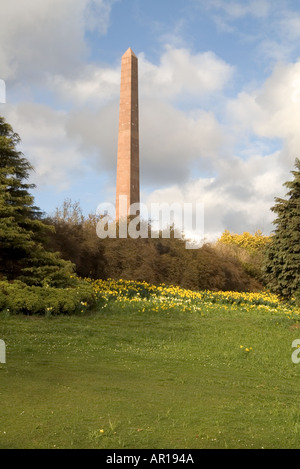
x,y
128,178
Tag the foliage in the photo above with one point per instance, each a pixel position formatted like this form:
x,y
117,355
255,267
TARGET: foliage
x,y
19,298
22,232
155,260
283,255
246,240
74,236
247,249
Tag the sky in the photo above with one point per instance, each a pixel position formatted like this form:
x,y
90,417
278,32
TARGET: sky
x,y
219,101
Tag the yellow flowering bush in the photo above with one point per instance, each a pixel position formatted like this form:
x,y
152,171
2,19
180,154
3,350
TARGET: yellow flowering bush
x,y
247,249
245,240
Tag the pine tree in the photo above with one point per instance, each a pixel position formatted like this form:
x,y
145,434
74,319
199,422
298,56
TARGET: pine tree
x,y
22,232
283,255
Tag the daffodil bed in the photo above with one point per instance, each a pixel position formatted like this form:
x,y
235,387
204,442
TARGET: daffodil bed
x,y
96,295
142,295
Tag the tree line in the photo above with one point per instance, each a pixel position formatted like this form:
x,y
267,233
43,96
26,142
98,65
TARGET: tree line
x,y
154,260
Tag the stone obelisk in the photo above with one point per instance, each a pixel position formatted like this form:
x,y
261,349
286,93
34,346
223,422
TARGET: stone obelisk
x,y
128,178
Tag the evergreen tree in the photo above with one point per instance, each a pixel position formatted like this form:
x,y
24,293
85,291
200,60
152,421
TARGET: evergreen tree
x,y
22,232
283,254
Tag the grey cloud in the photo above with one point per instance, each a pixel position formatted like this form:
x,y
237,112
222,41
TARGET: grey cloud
x,y
237,220
172,143
96,134
54,156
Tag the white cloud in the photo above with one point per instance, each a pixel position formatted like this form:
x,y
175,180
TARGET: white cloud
x,y
38,38
180,72
93,85
174,144
273,111
238,198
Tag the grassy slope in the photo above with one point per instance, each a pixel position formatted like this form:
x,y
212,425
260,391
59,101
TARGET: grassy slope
x,y
150,380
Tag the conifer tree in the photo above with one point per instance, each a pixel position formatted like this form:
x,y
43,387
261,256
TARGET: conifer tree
x,y
283,254
22,232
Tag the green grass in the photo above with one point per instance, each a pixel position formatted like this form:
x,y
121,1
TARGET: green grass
x,y
123,378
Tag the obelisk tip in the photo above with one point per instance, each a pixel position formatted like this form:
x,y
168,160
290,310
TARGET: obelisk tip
x,y
129,52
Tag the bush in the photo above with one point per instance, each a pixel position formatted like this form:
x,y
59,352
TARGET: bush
x,y
247,249
18,298
156,260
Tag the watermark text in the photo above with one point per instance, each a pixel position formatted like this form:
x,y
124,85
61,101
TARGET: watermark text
x,y
184,221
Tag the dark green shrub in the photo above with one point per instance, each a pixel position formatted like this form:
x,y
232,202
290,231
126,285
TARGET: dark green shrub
x,y
18,298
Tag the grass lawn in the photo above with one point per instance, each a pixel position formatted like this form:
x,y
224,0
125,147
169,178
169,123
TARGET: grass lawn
x,y
141,378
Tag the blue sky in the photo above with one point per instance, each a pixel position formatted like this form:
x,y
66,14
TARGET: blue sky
x,y
219,87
